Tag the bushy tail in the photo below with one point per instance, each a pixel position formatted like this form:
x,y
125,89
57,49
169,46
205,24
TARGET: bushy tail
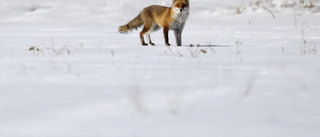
x,y
133,24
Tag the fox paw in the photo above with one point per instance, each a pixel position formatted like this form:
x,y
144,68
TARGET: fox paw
x,y
151,44
144,44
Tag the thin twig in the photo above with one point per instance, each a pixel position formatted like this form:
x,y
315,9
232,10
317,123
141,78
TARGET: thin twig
x,y
269,11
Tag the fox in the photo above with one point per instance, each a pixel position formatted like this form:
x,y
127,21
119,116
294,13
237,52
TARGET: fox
x,y
155,17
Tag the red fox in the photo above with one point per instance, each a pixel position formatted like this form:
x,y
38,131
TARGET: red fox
x,y
154,17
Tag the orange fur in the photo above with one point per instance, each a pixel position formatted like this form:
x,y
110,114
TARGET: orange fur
x,y
154,17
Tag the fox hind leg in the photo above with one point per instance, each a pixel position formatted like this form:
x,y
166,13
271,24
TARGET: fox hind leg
x,y
149,39
147,30
144,30
152,29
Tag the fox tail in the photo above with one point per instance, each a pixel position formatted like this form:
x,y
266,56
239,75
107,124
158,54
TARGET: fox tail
x,y
133,24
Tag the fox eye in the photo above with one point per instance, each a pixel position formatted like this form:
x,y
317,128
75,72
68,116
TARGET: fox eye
x,y
178,5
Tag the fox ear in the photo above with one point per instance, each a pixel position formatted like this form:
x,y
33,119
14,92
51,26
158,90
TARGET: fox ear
x,y
176,0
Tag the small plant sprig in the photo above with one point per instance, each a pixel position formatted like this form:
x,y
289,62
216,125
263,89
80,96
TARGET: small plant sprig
x,y
171,51
238,43
269,5
306,47
196,50
53,50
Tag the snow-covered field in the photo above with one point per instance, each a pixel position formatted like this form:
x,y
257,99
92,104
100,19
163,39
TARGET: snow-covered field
x,y
247,69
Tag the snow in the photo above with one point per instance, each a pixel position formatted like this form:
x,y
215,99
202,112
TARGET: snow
x,y
65,71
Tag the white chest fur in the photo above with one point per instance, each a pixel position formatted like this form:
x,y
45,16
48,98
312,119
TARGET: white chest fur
x,y
179,18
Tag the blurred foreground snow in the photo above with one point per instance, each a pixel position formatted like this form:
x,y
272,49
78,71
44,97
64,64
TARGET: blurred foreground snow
x,y
65,71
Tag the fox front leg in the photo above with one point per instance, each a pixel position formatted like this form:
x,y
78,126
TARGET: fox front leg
x,y
177,34
166,37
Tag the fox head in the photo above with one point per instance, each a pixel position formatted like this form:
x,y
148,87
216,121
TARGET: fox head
x,y
180,5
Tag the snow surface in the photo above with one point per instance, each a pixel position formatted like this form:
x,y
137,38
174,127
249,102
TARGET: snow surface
x,y
252,71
